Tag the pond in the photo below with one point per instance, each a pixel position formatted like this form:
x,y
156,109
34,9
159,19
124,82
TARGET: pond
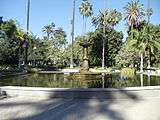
x,y
84,81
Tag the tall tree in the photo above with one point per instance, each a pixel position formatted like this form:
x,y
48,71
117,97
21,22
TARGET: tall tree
x,y
114,45
72,33
59,38
149,13
56,45
108,19
134,12
28,15
11,36
25,38
48,29
144,41
114,17
86,11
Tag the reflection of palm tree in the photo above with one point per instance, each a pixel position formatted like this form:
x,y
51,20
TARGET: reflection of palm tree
x,y
86,11
48,29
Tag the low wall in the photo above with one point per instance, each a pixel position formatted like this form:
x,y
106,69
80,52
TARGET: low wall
x,y
107,93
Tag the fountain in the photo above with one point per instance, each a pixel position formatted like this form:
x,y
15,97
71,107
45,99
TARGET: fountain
x,y
84,73
85,63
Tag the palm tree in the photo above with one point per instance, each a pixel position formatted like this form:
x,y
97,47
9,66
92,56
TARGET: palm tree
x,y
111,19
114,17
98,21
19,37
134,12
144,41
149,13
25,38
86,11
72,34
105,20
28,15
48,29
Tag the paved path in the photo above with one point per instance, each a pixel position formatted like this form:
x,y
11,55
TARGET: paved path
x,y
20,108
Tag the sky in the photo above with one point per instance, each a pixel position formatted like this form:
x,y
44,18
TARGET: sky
x,y
43,12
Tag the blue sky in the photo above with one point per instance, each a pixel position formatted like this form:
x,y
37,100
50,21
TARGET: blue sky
x,y
44,12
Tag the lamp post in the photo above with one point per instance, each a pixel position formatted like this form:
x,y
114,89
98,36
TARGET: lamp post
x,y
72,33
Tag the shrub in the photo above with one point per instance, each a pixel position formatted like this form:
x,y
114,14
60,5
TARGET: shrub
x,y
33,70
128,72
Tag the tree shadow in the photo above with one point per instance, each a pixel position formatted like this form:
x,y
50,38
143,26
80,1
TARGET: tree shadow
x,y
84,105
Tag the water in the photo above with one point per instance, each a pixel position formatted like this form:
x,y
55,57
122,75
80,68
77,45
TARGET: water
x,y
82,81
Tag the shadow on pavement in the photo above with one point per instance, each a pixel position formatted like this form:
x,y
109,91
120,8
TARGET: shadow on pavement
x,y
94,107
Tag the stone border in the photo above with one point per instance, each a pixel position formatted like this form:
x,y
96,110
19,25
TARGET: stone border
x,y
69,93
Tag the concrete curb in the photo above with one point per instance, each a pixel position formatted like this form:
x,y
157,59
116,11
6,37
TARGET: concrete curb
x,y
69,93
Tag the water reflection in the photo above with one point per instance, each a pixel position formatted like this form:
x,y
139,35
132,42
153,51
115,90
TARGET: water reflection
x,y
106,80
81,81
141,76
55,77
149,79
103,80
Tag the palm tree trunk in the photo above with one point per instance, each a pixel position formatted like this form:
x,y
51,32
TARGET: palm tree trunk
x,y
83,27
149,60
26,56
104,32
149,2
141,66
73,18
149,55
28,15
103,51
19,56
48,36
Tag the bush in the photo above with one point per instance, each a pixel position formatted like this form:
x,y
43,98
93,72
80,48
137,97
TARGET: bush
x,y
128,72
33,70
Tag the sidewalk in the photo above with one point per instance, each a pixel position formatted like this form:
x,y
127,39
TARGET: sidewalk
x,y
31,108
